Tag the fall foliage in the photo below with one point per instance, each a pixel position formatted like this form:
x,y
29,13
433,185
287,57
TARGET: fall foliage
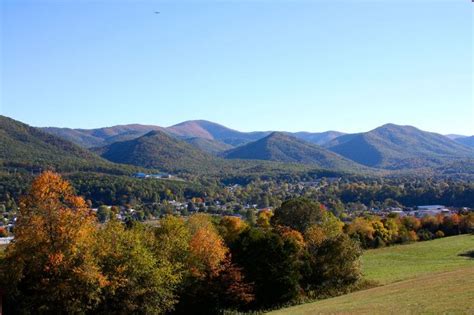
x,y
51,266
64,259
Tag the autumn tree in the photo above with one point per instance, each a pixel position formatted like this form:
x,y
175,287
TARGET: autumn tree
x,y
451,224
264,217
213,282
50,267
231,227
467,223
362,230
207,248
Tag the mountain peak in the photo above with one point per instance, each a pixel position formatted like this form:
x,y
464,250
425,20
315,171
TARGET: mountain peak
x,y
158,150
394,147
282,147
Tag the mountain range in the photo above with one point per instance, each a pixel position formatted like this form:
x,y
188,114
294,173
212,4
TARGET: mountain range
x,y
219,138
202,146
399,147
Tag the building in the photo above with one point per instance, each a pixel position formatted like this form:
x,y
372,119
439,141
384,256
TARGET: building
x,y
155,176
6,240
423,211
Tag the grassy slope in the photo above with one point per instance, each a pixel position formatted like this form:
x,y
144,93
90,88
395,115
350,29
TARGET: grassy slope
x,y
425,277
448,292
403,262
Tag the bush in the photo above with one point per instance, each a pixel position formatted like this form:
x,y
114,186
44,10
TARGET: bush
x,y
424,235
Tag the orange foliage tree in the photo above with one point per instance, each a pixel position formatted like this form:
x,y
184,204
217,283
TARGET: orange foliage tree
x,y
213,279
207,248
52,254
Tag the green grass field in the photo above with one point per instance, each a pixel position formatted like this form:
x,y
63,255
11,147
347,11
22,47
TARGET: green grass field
x,y
426,277
396,263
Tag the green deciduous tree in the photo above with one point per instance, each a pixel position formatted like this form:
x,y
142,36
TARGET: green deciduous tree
x,y
298,214
270,261
138,281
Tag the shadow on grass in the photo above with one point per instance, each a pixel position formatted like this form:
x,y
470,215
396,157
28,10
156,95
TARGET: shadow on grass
x,y
469,254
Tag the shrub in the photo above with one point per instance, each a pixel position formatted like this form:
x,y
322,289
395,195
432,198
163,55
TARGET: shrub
x,y
424,235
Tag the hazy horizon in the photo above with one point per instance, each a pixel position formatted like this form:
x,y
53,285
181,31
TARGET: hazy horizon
x,y
348,66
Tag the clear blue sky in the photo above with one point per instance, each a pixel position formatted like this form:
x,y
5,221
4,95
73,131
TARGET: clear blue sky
x,y
251,65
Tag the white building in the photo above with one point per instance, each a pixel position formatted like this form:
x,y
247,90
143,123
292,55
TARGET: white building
x,y
423,211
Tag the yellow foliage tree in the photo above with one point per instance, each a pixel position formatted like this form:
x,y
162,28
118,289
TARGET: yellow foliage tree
x,y
231,227
263,218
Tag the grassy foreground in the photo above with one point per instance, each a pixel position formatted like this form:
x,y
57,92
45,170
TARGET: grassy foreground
x,y
448,292
427,277
396,263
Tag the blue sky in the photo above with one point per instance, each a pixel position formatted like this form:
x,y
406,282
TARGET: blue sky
x,y
344,65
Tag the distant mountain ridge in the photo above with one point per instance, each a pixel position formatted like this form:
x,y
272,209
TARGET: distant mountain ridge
x,y
212,131
89,138
396,147
282,147
467,141
319,138
192,129
389,147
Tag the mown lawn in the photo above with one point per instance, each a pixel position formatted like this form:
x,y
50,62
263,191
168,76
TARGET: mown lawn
x,y
427,277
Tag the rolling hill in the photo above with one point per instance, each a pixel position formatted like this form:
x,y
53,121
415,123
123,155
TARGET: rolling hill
x,y
399,147
282,147
25,147
157,149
